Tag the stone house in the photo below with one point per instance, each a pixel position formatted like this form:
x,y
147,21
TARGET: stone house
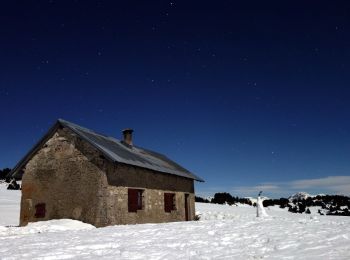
x,y
76,173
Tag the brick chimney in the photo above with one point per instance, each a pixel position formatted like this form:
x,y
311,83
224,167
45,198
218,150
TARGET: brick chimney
x,y
127,136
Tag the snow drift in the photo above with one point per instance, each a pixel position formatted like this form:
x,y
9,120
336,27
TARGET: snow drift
x,y
224,232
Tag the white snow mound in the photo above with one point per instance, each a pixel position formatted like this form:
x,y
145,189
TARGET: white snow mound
x,y
46,226
58,225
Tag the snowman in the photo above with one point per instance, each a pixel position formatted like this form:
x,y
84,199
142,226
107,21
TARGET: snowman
x,y
260,210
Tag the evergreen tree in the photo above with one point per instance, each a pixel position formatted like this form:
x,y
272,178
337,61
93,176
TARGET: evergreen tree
x,y
200,199
222,198
4,172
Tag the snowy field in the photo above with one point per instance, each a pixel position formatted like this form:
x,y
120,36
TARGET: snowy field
x,y
9,206
224,232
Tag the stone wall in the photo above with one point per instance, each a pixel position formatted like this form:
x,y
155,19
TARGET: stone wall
x,y
75,181
70,186
154,185
132,176
152,207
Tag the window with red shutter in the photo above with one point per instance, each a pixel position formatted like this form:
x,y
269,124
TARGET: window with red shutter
x,y
134,200
169,202
40,210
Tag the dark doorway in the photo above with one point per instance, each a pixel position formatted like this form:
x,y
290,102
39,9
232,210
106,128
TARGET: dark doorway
x,y
186,207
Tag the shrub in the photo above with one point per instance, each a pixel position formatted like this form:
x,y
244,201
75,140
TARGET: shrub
x,y
222,198
4,172
200,199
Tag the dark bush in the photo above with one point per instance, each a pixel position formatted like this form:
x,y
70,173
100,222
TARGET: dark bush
x,y
301,207
4,172
222,198
13,185
282,202
293,209
200,199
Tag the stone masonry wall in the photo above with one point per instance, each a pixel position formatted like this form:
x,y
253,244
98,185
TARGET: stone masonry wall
x,y
152,210
132,176
75,181
60,176
154,185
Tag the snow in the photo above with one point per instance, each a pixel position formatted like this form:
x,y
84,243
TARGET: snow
x,y
224,232
55,225
9,206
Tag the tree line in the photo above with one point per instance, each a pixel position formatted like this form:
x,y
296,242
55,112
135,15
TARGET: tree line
x,y
4,172
224,198
12,184
330,204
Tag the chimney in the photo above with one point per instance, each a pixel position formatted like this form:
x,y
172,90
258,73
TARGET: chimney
x,y
127,136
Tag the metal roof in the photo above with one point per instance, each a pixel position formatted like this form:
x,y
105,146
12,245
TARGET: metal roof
x,y
117,151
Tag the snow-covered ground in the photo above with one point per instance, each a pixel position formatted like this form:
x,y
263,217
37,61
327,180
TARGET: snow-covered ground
x,y
224,232
9,206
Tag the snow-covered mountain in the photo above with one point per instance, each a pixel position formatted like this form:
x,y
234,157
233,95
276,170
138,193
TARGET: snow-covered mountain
x,y
300,196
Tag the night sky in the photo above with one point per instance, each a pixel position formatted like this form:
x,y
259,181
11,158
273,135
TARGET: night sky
x,y
249,95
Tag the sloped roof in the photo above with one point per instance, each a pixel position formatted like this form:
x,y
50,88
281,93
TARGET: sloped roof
x,y
116,151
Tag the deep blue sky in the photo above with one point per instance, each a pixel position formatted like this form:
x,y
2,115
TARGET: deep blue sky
x,y
249,95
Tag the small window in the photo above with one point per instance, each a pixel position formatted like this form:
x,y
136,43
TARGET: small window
x,y
169,202
40,210
134,200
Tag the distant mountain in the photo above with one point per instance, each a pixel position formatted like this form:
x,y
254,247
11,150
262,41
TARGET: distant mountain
x,y
300,196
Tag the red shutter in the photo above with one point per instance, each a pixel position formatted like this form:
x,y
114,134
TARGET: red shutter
x,y
40,210
168,202
132,200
